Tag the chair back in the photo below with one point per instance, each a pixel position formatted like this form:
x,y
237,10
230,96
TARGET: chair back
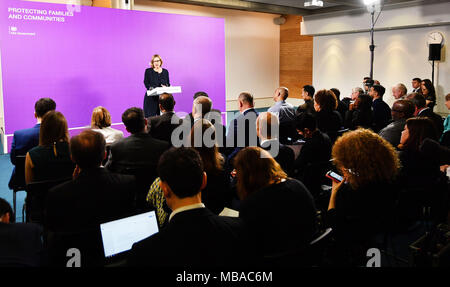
x,y
144,178
37,196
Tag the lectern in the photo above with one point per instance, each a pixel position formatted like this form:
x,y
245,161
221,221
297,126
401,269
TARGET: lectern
x,y
162,90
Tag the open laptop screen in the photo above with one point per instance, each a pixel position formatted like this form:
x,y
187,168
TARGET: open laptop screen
x,y
118,236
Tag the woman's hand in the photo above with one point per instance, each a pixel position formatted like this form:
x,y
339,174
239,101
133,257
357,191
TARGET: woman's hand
x,y
334,189
76,172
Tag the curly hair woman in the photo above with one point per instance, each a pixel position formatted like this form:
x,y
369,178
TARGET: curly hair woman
x,y
363,204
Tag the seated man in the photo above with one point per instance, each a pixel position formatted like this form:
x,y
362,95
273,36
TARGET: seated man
x,y
161,127
312,163
422,110
94,196
214,114
26,139
140,149
399,92
401,111
194,236
267,126
283,110
286,115
381,110
242,130
20,243
307,95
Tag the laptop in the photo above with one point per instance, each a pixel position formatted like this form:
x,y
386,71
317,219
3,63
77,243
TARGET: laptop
x,y
118,236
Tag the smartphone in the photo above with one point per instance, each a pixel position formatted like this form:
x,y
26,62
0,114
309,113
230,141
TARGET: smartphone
x,y
334,176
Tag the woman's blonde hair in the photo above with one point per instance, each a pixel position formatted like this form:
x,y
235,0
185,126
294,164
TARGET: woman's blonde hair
x,y
366,157
153,59
256,169
101,118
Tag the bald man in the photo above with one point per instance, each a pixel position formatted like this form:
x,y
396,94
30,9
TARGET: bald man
x,y
401,111
282,109
399,92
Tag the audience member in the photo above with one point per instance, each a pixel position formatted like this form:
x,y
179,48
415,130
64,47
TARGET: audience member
x,y
329,120
445,138
381,110
368,83
161,127
51,158
363,204
26,139
429,93
279,211
202,109
422,110
283,110
101,122
267,125
76,208
399,92
360,113
401,111
20,243
342,107
416,83
194,236
312,162
421,179
308,92
140,149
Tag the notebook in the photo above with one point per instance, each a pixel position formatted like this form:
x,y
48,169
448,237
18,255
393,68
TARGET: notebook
x,y
118,236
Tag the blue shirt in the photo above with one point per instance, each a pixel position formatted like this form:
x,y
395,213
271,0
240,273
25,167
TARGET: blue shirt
x,y
283,110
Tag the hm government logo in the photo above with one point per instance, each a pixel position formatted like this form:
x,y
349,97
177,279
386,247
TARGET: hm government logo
x,y
13,30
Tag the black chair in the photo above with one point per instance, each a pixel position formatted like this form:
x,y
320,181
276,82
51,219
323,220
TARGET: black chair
x,y
288,134
37,196
18,182
144,178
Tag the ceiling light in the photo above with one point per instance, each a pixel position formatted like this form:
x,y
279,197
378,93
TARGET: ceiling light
x,y
316,3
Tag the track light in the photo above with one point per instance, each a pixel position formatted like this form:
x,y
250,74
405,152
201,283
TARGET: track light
x,y
371,2
316,3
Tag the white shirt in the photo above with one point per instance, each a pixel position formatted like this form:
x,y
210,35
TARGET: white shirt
x,y
111,135
185,208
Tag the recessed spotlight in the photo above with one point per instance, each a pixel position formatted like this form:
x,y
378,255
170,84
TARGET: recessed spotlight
x,y
316,3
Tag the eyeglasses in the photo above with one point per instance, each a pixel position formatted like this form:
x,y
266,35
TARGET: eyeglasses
x,y
156,61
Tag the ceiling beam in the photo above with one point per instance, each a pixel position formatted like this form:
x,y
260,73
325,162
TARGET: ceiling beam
x,y
245,5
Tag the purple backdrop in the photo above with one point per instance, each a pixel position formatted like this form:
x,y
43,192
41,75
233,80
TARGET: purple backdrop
x,y
98,56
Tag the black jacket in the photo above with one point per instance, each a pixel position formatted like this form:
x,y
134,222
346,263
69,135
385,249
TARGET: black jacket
x,y
192,238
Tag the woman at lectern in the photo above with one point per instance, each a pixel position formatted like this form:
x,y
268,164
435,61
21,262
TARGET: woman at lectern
x,y
155,77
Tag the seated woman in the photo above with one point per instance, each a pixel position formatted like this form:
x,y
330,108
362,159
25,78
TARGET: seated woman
x,y
101,122
279,211
429,93
329,120
362,205
51,158
216,195
421,180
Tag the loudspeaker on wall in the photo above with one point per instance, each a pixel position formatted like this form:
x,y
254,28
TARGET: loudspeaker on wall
x,y
434,52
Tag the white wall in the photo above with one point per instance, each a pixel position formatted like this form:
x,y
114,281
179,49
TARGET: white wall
x,y
342,60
